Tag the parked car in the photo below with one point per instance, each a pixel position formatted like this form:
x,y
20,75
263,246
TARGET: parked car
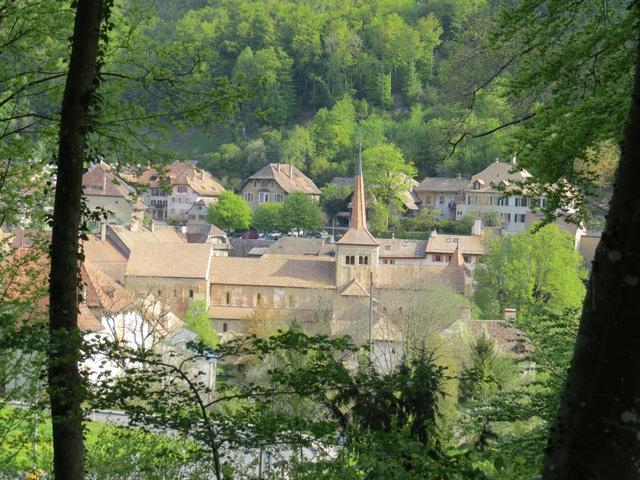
x,y
250,235
274,236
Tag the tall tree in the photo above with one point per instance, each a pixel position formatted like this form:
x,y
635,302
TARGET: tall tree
x,y
65,382
595,431
231,212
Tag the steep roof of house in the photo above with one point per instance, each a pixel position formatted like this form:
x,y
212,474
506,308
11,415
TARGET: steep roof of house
x,y
288,177
169,260
184,173
101,181
420,277
444,243
496,174
106,257
437,184
200,233
102,291
457,260
273,271
400,248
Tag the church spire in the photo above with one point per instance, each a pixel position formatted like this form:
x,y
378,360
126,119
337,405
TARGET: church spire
x,y
358,233
358,210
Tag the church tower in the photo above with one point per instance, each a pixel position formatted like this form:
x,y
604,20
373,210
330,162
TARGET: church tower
x,y
357,250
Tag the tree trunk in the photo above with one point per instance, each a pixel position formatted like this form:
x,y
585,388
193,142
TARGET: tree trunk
x,y
596,433
65,383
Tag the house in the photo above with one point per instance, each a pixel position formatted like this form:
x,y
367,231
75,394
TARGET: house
x,y
441,194
489,191
442,248
197,213
103,188
274,182
171,193
209,234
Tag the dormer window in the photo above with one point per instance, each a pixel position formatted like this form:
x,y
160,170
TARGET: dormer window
x,y
477,185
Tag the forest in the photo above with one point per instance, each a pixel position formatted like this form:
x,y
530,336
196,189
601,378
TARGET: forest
x,y
419,87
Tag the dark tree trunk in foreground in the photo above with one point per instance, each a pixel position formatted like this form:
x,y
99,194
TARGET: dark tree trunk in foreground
x,y
65,383
596,433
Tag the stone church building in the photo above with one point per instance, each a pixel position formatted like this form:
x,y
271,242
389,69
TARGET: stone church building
x,y
328,294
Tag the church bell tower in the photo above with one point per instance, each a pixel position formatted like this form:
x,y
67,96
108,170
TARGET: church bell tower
x,y
357,250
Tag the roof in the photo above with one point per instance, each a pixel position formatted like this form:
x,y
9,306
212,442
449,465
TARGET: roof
x,y
436,184
296,246
353,288
496,174
420,277
200,233
444,243
184,173
457,260
274,272
347,181
102,291
410,200
188,260
400,248
160,234
288,177
106,257
29,269
507,336
357,237
358,234
99,180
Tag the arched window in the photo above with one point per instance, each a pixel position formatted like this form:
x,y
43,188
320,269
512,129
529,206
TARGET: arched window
x,y
347,260
228,298
366,259
360,260
353,260
258,299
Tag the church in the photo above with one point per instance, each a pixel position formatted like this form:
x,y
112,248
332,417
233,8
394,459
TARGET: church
x,y
350,293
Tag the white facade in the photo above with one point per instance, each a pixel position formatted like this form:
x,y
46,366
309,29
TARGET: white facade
x,y
173,205
512,210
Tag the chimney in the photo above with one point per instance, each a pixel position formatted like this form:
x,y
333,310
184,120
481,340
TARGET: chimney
x,y
465,313
103,231
433,233
134,225
477,227
510,314
290,171
152,225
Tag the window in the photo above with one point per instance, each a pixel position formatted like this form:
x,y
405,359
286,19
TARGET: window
x,y
228,298
175,293
182,188
225,327
263,197
503,202
448,258
441,199
248,197
258,299
366,259
190,293
360,260
202,217
351,259
466,258
277,197
159,293
436,258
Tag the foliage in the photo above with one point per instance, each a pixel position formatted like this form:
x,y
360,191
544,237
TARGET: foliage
x,y
574,64
268,217
299,211
231,211
387,176
378,217
486,373
335,198
491,219
197,319
531,267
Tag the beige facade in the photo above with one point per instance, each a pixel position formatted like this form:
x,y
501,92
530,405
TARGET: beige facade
x,y
274,182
